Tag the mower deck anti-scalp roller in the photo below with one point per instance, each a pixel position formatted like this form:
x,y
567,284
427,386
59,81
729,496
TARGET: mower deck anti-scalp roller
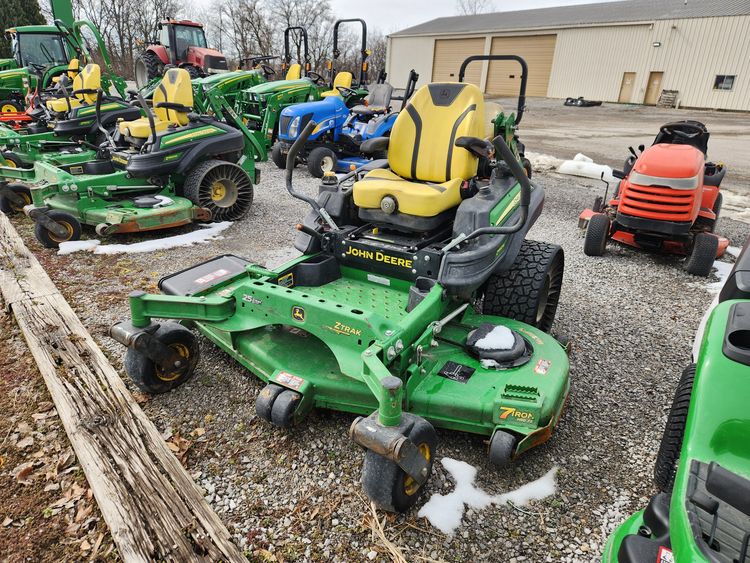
x,y
376,318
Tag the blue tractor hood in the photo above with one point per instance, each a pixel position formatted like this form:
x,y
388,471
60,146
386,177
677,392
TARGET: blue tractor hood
x,y
327,113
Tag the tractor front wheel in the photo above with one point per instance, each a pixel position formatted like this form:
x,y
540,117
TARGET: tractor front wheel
x,y
70,224
320,161
13,198
530,290
389,486
278,157
702,256
223,188
597,233
147,67
10,106
150,377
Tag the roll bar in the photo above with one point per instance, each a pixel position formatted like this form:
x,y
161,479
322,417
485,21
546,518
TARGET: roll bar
x,y
364,53
524,76
287,52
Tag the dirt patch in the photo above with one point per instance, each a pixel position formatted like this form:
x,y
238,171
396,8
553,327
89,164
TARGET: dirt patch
x,y
47,512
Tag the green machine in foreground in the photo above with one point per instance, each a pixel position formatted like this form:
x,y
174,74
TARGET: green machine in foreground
x,y
702,512
417,302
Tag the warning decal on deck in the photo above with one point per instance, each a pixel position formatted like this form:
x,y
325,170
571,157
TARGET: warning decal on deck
x,y
456,372
665,555
289,380
211,277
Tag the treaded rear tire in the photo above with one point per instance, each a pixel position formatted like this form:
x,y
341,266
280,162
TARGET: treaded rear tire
x,y
703,254
199,183
597,233
530,290
665,468
152,65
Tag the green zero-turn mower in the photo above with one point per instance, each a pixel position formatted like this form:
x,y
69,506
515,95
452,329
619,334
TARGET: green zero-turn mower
x,y
702,512
416,302
176,167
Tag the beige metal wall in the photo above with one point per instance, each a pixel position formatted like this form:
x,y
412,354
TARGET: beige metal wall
x,y
406,53
451,53
504,77
590,62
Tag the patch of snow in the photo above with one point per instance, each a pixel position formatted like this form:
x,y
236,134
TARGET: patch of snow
x,y
203,235
542,162
583,166
499,338
445,512
164,201
723,269
734,250
580,157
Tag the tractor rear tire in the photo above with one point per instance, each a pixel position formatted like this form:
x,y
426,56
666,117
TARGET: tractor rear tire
x,y
278,157
717,210
223,188
530,290
147,67
665,468
284,407
502,446
386,484
320,161
597,234
703,254
14,202
149,377
51,240
193,71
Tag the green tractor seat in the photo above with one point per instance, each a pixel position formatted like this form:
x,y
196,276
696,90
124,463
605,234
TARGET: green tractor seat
x,y
343,79
86,82
422,185
172,101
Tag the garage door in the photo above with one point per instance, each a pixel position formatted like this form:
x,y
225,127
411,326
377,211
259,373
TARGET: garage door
x,y
450,53
504,77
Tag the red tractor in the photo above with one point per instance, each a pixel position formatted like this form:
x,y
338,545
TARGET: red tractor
x,y
668,200
182,43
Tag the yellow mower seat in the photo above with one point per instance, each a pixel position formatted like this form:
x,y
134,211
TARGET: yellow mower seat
x,y
426,168
90,78
294,72
74,67
175,88
342,79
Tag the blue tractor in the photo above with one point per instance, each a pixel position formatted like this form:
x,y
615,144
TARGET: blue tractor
x,y
334,145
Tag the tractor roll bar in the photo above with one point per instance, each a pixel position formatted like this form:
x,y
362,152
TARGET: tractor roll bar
x,y
287,52
524,76
363,50
411,85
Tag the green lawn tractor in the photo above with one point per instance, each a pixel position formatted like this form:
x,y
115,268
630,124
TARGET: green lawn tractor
x,y
175,167
702,512
417,303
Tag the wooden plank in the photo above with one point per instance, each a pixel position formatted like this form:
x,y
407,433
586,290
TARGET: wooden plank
x,y
153,508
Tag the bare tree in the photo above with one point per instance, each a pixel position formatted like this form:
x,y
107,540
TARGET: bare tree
x,y
473,7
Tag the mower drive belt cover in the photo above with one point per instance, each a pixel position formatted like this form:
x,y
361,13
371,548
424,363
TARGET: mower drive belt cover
x,y
203,276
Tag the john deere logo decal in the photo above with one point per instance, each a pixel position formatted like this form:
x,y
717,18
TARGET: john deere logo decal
x,y
298,313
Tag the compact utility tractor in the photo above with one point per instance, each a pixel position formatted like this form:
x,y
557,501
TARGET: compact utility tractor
x,y
175,167
335,143
668,200
181,43
417,302
702,512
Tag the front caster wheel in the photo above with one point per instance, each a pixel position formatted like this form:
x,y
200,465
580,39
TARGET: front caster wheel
x,y
150,377
502,447
386,484
264,402
284,407
13,198
71,229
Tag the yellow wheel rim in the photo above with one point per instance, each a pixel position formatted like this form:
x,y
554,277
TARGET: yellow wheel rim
x,y
218,191
171,375
9,108
10,164
410,485
26,201
69,233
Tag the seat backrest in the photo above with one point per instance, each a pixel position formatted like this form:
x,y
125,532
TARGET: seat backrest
x,y
174,88
90,78
423,136
294,72
343,79
74,67
379,95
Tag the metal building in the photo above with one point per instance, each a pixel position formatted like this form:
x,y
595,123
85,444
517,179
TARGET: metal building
x,y
629,51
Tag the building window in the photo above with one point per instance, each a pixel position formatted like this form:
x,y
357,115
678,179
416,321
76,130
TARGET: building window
x,y
724,82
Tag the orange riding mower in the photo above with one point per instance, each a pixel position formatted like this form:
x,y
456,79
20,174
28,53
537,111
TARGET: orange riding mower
x,y
667,200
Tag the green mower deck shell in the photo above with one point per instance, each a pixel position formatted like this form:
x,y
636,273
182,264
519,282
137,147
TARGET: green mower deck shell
x,y
335,342
717,430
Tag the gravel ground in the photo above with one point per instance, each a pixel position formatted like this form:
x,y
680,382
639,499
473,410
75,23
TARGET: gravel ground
x,y
630,318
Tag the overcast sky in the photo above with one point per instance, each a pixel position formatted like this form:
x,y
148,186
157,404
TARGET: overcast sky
x,y
392,15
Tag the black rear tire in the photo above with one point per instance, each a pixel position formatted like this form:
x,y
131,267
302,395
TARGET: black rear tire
x,y
530,290
386,484
320,161
151,378
15,162
13,198
597,233
193,71
703,254
223,188
147,67
665,468
278,157
51,240
717,210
